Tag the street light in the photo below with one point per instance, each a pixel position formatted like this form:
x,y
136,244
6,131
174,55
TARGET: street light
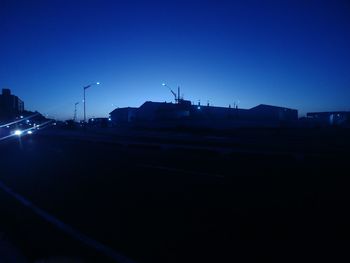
x,y
85,88
177,97
75,111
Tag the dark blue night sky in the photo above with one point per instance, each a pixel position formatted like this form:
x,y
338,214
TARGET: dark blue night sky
x,y
285,53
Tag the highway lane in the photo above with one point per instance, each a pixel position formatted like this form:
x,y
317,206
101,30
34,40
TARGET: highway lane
x,y
88,184
153,206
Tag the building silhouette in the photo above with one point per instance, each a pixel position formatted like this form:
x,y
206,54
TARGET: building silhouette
x,y
10,105
184,113
123,115
329,118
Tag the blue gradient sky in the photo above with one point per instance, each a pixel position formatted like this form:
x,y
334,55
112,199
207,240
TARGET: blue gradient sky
x,y
286,53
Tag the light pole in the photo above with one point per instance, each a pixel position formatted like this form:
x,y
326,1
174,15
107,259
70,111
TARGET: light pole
x,y
85,88
177,96
75,111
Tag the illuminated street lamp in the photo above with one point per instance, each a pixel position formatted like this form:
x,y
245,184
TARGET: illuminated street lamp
x,y
85,88
176,96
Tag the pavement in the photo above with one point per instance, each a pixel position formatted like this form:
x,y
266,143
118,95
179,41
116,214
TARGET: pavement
x,y
8,252
95,200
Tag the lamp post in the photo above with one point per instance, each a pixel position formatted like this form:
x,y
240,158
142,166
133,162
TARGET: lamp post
x,y
85,88
75,111
176,96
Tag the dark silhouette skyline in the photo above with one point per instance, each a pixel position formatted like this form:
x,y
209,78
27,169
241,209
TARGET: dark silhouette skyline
x,y
287,53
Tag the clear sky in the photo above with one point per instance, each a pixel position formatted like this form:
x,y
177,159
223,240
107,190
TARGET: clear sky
x,y
285,53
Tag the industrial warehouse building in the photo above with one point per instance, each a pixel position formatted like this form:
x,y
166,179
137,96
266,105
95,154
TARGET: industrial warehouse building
x,y
185,113
123,115
330,118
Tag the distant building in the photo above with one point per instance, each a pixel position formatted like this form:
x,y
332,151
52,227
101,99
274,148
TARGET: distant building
x,y
268,112
10,105
99,122
185,113
123,115
332,118
156,111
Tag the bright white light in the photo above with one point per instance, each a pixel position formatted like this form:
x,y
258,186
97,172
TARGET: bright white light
x,y
29,132
163,84
98,83
18,132
92,119
21,117
199,107
109,119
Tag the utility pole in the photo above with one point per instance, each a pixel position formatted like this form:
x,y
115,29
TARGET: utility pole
x,y
85,88
75,111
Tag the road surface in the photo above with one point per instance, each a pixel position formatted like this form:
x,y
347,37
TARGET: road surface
x,y
166,205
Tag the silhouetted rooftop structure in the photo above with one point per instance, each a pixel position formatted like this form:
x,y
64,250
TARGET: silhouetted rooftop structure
x,y
123,114
10,105
185,112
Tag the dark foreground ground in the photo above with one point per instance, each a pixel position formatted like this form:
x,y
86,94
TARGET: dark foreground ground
x,y
276,196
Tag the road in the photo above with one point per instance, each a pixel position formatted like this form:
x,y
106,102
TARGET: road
x,y
163,205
